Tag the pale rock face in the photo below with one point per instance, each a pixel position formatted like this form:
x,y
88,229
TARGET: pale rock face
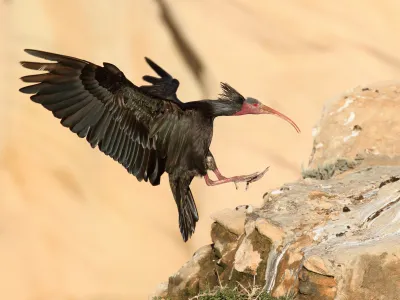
x,y
331,236
273,232
316,264
193,276
361,121
233,220
246,258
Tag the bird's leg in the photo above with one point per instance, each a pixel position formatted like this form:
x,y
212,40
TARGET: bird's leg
x,y
211,165
235,179
218,174
221,177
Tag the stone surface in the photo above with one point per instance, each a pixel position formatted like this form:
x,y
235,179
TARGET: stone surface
x,y
316,264
271,231
194,276
233,220
336,237
362,121
161,291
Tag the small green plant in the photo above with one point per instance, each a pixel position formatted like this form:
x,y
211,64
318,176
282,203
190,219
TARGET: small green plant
x,y
328,170
237,293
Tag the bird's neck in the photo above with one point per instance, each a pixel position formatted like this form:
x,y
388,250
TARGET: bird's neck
x,y
214,108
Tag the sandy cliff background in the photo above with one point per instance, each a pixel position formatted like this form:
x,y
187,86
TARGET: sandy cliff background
x,y
73,223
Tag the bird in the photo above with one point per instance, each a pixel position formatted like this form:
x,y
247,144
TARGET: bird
x,y
145,128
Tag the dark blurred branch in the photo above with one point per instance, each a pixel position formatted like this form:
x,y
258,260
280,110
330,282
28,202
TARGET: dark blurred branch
x,y
189,55
382,56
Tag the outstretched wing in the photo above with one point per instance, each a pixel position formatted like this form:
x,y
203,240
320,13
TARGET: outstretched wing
x,y
143,133
164,86
103,106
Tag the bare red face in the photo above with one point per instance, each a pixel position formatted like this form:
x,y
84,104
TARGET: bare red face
x,y
253,107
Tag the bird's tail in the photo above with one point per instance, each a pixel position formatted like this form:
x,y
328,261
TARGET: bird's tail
x,y
187,210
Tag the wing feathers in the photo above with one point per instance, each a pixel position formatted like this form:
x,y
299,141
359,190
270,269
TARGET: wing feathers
x,y
146,135
49,78
120,144
97,132
65,107
126,151
136,162
91,101
79,115
143,164
165,86
132,157
160,71
54,68
66,60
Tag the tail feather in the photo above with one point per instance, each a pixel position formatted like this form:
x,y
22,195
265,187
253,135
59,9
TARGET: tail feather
x,y
187,210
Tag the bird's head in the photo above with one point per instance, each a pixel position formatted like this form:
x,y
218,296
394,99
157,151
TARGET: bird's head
x,y
252,106
249,106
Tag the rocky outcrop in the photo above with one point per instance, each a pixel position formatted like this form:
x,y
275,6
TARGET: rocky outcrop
x,y
334,233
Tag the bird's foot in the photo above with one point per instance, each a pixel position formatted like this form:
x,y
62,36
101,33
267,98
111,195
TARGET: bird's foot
x,y
236,179
249,178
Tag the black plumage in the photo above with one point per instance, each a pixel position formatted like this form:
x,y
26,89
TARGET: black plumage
x,y
147,129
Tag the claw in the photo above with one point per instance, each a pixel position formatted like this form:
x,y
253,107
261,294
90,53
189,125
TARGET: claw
x,y
252,178
258,176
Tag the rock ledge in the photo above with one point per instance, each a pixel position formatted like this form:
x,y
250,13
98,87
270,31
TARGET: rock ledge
x,y
335,233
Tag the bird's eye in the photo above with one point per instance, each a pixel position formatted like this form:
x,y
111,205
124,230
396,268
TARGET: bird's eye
x,y
255,104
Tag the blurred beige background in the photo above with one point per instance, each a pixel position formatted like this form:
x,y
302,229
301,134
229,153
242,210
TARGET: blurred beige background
x,y
73,223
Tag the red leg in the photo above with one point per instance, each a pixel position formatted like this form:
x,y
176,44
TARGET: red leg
x,y
245,178
219,175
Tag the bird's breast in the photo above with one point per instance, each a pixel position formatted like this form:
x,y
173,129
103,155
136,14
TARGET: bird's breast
x,y
201,135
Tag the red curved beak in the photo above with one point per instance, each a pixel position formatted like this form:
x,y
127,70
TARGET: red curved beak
x,y
268,110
